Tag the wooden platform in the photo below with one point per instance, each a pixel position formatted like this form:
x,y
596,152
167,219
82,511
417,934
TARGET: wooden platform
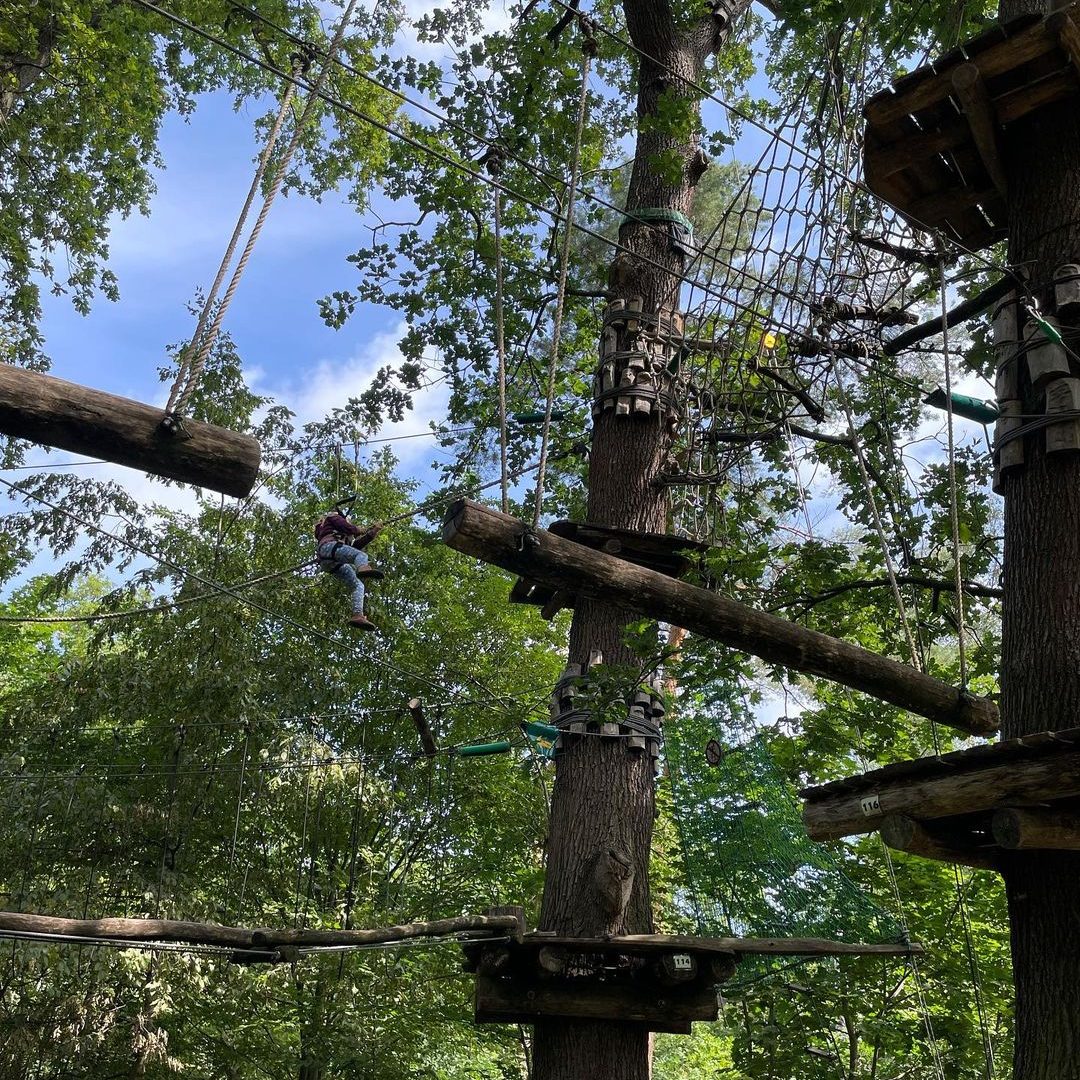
x,y
657,551
972,806
932,141
662,982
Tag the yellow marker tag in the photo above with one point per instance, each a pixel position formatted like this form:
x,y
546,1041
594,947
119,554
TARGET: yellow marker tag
x,y
769,340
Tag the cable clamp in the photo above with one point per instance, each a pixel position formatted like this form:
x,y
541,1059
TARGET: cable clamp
x,y
527,539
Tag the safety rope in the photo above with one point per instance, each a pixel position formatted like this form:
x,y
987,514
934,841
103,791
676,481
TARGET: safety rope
x,y
180,398
588,51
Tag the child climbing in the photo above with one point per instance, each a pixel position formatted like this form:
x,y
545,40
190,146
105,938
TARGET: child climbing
x,y
339,545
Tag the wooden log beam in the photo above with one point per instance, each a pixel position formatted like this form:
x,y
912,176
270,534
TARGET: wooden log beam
x,y
1042,779
54,412
502,540
978,108
234,937
964,311
903,833
1040,829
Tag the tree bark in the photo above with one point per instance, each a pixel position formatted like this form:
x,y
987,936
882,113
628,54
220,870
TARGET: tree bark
x,y
1040,678
603,796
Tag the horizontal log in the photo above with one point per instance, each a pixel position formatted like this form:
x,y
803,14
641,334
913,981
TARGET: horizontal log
x,y
234,937
1042,779
498,538
54,412
964,311
906,834
1036,829
727,946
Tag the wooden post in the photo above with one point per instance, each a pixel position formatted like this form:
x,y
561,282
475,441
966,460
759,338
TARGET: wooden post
x,y
58,413
497,538
906,834
423,728
1048,830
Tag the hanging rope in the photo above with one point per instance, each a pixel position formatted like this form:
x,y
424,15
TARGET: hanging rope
x,y
494,167
184,375
588,51
954,510
179,399
868,488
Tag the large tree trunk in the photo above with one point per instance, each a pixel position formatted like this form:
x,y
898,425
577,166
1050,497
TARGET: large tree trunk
x,y
603,803
1040,678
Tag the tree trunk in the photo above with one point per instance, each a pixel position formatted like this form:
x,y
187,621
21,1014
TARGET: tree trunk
x,y
1040,679
603,802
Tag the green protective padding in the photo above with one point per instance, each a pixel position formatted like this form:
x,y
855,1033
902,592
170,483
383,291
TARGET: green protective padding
x,y
749,869
483,749
541,731
971,408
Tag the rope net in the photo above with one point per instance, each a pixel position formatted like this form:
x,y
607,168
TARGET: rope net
x,y
748,868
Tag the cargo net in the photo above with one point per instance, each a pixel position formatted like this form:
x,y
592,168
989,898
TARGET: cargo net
x,y
748,867
801,274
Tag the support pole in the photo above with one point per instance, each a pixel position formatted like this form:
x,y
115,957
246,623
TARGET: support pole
x,y
423,728
63,414
540,556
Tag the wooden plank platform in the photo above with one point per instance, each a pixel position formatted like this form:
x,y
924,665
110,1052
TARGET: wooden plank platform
x,y
662,982
972,806
932,141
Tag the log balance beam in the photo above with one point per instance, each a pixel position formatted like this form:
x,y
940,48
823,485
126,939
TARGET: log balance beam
x,y
63,414
541,556
16,923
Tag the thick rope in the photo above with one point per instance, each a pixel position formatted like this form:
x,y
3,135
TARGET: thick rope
x,y
183,376
587,52
279,176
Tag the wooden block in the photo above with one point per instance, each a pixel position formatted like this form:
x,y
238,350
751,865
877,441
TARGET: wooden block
x,y
512,1001
1063,396
558,601
627,378
1046,359
1009,455
607,377
596,657
622,406
610,730
1067,289
578,727
643,406
635,742
906,834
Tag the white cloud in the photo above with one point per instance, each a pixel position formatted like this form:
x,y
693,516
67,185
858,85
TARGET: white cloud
x,y
329,383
